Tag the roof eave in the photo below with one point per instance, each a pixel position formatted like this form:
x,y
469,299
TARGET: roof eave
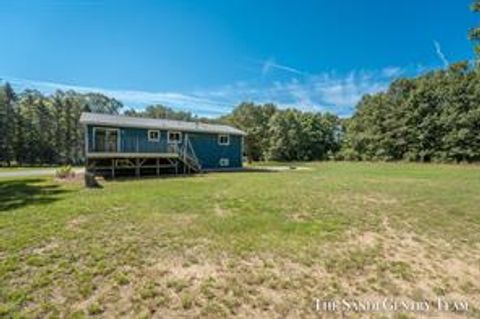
x,y
89,122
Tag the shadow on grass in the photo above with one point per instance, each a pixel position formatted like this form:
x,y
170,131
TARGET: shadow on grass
x,y
18,193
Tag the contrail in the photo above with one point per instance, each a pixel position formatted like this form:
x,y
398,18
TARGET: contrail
x,y
441,56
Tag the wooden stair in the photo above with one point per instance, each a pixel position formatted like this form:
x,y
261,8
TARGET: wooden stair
x,y
186,154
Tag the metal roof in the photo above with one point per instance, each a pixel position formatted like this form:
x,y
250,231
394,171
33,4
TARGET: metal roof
x,y
161,124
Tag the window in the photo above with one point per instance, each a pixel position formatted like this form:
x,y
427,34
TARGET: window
x,y
106,140
224,162
153,135
174,137
223,139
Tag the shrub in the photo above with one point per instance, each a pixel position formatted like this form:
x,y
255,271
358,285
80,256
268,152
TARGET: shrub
x,y
64,172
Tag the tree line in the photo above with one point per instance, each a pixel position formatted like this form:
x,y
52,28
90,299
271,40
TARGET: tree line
x,y
286,134
39,129
435,117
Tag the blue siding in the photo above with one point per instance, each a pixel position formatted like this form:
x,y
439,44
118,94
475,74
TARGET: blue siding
x,y
206,146
136,140
209,152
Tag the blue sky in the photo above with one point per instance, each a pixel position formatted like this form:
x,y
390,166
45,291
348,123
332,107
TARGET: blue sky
x,y
207,56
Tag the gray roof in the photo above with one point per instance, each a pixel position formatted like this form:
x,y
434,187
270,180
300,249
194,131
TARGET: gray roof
x,y
161,124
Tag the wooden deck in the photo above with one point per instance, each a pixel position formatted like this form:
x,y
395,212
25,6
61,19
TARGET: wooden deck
x,y
120,155
172,161
112,162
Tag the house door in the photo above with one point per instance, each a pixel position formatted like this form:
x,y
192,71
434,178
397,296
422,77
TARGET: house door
x,y
106,140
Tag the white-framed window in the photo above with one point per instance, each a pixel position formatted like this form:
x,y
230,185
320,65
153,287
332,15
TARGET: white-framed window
x,y
174,137
223,139
224,162
153,135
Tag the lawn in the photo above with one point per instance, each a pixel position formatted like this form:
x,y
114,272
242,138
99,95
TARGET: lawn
x,y
240,244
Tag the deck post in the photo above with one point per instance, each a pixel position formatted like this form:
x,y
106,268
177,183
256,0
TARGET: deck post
x,y
158,166
137,167
85,128
113,168
185,154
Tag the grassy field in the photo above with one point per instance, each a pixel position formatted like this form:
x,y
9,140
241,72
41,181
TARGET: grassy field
x,y
240,244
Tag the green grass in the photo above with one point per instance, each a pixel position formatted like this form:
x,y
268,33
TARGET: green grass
x,y
246,244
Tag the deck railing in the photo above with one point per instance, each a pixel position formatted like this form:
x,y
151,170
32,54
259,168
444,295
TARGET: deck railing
x,y
134,144
183,150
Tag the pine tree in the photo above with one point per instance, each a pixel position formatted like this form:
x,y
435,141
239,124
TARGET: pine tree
x,y
474,33
7,124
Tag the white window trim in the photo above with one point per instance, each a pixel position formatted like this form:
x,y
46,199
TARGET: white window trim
x,y
94,131
220,138
154,139
224,162
174,142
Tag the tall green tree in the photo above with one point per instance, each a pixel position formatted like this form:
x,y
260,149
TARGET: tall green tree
x,y
253,119
7,123
296,135
474,33
96,102
159,111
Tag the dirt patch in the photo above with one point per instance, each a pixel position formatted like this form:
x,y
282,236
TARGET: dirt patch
x,y
284,168
76,223
76,177
367,201
417,267
219,211
368,239
185,269
300,217
46,249
379,199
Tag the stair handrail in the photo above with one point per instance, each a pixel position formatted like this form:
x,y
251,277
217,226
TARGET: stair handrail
x,y
192,151
188,159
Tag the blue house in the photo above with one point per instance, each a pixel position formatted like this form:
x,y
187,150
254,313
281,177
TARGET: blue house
x,y
120,145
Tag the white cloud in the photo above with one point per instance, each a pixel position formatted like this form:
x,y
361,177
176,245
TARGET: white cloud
x,y
322,92
132,98
392,71
441,56
327,91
